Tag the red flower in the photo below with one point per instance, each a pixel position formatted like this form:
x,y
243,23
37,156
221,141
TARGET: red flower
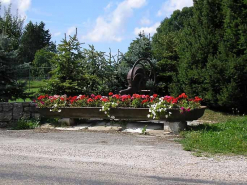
x,y
62,99
41,97
197,99
89,100
98,97
144,101
116,96
155,95
104,99
136,96
183,95
110,93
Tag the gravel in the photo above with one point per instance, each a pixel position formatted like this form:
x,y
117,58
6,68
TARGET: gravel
x,y
80,157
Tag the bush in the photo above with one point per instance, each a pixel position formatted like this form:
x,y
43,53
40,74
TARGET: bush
x,y
23,124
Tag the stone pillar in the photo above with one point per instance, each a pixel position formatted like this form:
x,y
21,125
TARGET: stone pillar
x,y
174,127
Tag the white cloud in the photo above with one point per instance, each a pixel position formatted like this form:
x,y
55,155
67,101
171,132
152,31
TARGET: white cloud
x,y
145,21
111,27
108,7
21,5
56,34
147,30
170,5
71,31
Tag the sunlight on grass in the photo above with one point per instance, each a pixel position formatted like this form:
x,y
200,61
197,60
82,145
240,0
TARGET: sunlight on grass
x,y
227,138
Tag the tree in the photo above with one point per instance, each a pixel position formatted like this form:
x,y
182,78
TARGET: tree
x,y
212,54
10,33
100,71
11,26
10,88
34,38
68,76
139,48
42,62
165,45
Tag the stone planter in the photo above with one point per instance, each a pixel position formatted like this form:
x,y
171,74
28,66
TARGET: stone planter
x,y
175,123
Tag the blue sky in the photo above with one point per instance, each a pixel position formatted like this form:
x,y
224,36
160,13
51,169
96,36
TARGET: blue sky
x,y
103,23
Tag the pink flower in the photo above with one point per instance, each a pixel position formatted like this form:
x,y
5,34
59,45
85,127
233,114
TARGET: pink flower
x,y
92,96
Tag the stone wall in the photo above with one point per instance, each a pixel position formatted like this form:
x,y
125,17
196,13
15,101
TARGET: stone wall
x,y
11,112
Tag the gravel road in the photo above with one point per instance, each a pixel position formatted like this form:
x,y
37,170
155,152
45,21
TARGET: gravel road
x,y
60,157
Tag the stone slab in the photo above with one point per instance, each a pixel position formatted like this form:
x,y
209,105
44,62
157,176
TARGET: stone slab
x,y
67,121
26,109
17,111
103,128
6,116
3,124
7,106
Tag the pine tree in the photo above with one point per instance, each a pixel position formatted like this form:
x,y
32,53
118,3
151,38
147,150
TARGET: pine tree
x,y
165,45
68,76
34,38
10,88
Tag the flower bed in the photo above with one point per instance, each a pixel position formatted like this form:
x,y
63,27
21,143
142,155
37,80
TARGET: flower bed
x,y
114,106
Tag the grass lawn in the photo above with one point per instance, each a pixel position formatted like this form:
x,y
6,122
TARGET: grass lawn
x,y
229,137
32,88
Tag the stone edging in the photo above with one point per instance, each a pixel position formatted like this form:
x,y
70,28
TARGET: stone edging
x,y
11,112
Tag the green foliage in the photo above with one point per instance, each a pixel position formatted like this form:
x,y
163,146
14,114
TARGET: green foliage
x,y
139,48
68,76
226,138
23,124
165,44
100,71
10,88
144,130
43,61
202,50
11,26
34,38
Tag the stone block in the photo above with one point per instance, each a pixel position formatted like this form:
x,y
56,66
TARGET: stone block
x,y
26,109
25,104
67,121
26,115
174,127
6,116
3,124
7,107
33,107
36,116
17,111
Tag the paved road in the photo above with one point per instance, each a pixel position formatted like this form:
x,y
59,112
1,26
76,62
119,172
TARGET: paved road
x,y
55,157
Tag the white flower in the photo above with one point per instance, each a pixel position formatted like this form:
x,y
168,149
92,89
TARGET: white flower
x,y
170,113
103,107
100,110
108,108
108,116
112,117
59,110
149,115
149,110
50,110
55,105
105,112
166,116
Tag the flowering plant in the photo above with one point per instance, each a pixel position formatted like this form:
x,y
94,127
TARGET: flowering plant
x,y
157,105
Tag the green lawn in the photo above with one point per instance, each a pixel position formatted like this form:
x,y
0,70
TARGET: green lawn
x,y
31,88
229,137
216,116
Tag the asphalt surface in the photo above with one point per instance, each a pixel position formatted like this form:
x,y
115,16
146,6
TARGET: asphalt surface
x,y
60,157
